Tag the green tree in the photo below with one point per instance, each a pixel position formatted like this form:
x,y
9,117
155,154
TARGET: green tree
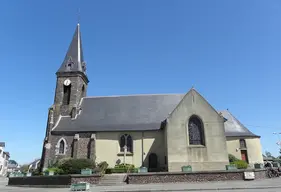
x,y
268,154
232,158
24,168
13,162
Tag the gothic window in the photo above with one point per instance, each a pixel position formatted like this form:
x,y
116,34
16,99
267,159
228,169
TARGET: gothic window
x,y
61,147
126,140
242,143
66,94
195,131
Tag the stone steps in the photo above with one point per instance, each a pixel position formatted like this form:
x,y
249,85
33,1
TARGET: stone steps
x,y
112,180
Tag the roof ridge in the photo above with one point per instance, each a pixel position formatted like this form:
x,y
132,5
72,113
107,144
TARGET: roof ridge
x,y
133,95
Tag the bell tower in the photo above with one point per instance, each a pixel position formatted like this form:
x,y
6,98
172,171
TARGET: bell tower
x,y
72,80
71,87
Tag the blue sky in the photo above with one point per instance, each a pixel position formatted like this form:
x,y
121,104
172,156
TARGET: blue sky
x,y
229,50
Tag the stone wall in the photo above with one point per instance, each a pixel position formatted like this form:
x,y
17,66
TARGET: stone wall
x,y
53,181
166,177
84,178
78,81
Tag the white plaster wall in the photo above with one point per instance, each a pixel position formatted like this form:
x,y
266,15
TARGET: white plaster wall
x,y
213,155
107,147
2,162
254,148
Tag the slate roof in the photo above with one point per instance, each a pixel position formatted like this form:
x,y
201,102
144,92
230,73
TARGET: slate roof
x,y
74,59
121,113
233,127
33,164
133,113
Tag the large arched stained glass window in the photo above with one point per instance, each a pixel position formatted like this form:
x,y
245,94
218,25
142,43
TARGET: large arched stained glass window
x,y
195,131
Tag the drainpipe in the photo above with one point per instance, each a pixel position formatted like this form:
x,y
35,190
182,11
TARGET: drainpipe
x,y
142,152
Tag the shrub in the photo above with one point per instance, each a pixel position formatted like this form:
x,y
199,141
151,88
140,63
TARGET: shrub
x,y
240,164
74,166
36,172
101,167
232,158
124,166
121,170
62,160
55,170
24,168
108,171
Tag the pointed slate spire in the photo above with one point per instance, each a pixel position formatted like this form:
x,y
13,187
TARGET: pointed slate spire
x,y
74,60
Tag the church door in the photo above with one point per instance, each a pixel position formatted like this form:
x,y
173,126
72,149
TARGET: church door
x,y
244,155
153,162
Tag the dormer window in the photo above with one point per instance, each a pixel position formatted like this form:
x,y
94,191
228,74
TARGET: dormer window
x,y
84,66
69,64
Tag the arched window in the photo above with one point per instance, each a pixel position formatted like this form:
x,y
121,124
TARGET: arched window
x,y
66,94
242,143
126,141
61,147
195,131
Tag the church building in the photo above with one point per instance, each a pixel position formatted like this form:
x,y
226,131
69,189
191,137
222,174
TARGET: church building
x,y
162,132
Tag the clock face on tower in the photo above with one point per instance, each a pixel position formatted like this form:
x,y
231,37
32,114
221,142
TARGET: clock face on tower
x,y
67,82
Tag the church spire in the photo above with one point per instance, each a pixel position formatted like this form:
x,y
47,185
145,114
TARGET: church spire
x,y
74,60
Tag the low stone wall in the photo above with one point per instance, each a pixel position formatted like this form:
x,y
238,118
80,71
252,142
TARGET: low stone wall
x,y
53,181
169,177
93,179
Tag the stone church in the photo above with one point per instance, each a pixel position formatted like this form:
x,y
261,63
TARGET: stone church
x,y
162,132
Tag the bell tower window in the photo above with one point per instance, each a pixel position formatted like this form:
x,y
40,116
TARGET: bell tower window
x,y
66,94
82,92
